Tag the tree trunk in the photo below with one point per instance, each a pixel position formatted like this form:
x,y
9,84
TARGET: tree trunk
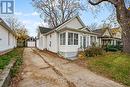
x,y
124,20
126,38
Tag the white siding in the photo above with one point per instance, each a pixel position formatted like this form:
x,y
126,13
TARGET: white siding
x,y
74,24
7,39
41,42
52,42
31,44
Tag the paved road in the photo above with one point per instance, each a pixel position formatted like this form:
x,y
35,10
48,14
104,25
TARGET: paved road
x,y
42,69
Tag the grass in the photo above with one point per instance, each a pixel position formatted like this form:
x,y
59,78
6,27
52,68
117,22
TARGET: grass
x,y
15,70
115,66
5,59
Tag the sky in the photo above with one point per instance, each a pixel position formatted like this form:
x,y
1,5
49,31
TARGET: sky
x,y
28,15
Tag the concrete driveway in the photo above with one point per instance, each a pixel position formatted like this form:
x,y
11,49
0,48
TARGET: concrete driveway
x,y
42,69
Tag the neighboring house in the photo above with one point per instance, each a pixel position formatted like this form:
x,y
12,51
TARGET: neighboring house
x,y
67,38
31,42
108,36
7,37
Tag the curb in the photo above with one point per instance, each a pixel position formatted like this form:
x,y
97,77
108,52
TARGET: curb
x,y
5,76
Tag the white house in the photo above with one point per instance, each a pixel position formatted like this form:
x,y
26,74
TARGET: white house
x,y
67,38
7,37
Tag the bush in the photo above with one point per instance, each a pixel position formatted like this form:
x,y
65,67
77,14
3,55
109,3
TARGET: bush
x,y
81,55
113,48
93,51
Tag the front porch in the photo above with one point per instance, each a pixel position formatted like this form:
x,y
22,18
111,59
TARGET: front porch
x,y
105,41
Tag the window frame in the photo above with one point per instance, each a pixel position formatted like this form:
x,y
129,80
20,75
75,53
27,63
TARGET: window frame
x,y
73,39
63,39
76,39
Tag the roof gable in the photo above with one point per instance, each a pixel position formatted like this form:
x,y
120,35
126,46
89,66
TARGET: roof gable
x,y
103,32
107,33
74,22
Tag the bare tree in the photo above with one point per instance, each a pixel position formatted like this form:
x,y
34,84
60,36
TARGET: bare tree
x,y
93,26
123,17
13,22
56,12
18,27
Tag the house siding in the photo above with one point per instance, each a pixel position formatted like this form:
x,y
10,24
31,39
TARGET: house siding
x,y
41,42
75,24
7,39
52,42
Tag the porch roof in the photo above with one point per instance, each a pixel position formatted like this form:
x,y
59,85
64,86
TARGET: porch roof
x,y
77,30
110,38
44,30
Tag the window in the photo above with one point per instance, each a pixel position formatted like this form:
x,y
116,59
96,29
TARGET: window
x,y
72,39
50,44
84,42
62,39
75,39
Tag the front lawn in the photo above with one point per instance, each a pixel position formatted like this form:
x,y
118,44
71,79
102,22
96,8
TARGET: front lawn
x,y
5,59
115,66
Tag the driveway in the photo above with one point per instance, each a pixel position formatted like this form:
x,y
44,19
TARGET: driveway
x,y
42,69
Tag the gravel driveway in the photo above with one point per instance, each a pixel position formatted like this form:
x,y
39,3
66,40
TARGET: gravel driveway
x,y
44,70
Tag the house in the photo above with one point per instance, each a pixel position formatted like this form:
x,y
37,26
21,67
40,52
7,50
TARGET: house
x,y
31,42
7,37
67,38
108,36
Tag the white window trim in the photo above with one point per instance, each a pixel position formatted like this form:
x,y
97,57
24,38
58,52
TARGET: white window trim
x,y
62,39
73,39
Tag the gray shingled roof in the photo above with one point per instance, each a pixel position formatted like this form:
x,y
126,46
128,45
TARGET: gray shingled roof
x,y
100,31
44,30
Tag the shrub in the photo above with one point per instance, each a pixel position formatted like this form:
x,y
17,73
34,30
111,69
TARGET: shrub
x,y
113,48
93,51
81,55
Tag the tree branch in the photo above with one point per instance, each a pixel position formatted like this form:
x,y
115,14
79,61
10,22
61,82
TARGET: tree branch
x,y
100,1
